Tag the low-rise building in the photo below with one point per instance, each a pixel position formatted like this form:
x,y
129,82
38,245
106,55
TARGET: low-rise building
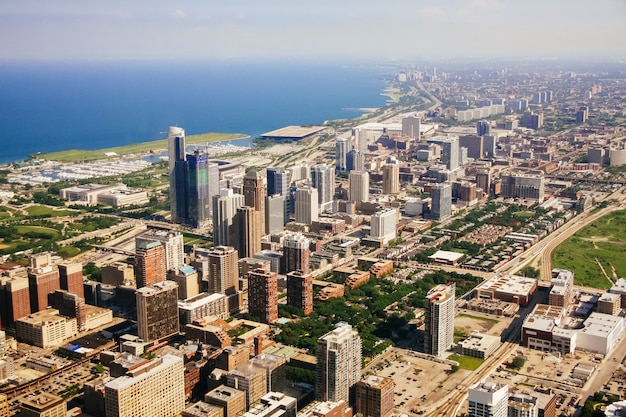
x,y
479,345
511,288
45,328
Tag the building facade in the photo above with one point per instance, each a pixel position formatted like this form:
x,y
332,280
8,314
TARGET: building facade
x,y
157,311
263,295
439,319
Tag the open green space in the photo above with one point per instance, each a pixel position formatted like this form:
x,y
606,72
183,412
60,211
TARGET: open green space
x,y
489,319
467,362
75,155
43,211
38,231
594,251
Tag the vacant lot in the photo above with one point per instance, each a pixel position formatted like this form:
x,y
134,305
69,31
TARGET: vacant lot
x,y
596,252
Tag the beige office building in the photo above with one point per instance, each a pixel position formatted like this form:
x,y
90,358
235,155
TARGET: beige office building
x,y
154,389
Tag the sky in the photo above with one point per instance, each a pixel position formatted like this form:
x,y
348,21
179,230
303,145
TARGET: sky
x,y
399,30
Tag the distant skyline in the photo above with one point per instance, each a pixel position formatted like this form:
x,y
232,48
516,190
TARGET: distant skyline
x,y
324,29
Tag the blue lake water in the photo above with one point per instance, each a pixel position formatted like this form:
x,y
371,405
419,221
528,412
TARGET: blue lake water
x,y
58,106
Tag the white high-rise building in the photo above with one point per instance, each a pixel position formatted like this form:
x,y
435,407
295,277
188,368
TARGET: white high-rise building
x,y
358,186
323,179
488,399
306,202
154,389
225,207
338,364
439,319
342,147
383,225
172,242
522,405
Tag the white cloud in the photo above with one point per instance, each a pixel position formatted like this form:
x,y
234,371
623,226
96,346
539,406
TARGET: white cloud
x,y
180,14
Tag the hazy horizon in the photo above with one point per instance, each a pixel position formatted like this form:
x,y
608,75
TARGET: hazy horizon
x,y
350,30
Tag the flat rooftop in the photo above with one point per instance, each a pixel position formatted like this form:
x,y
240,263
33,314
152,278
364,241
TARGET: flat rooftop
x,y
293,132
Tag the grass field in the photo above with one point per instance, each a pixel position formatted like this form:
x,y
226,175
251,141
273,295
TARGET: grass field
x,y
600,243
44,232
466,362
47,211
75,155
490,320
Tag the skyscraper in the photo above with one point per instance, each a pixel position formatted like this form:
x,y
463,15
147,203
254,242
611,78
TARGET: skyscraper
x,y
157,311
296,252
338,364
223,270
196,190
43,279
278,180
274,213
156,388
441,195
323,180
224,209
149,263
176,155
439,319
263,295
71,277
172,243
483,180
246,231
254,191
391,178
306,205
213,171
411,127
300,291
358,186
483,128
450,152
342,147
488,399
383,225
355,160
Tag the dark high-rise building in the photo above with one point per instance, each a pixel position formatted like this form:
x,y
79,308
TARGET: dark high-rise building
x,y
523,186
246,231
263,295
69,305
300,291
176,170
355,160
482,128
71,275
150,265
157,311
441,195
197,189
296,252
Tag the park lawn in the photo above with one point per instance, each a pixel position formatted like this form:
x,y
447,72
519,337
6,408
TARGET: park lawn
x,y
467,362
76,155
489,319
47,211
523,214
603,241
44,231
